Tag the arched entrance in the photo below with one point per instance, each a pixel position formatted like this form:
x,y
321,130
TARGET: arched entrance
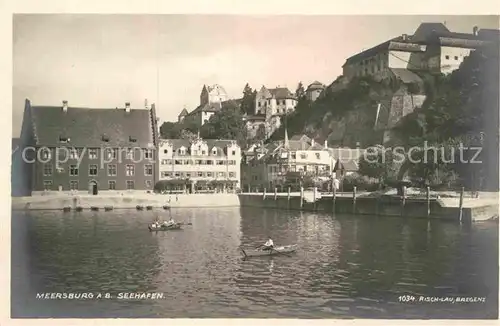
x,y
93,187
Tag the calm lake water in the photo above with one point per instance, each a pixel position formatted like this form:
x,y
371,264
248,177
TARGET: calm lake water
x,y
346,266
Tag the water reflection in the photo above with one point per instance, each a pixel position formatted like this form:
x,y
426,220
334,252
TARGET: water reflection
x,y
346,266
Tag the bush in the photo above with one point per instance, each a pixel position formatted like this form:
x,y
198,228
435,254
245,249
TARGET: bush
x,y
361,182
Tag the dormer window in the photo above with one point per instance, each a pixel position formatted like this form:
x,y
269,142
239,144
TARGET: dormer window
x,y
132,139
105,138
214,151
63,139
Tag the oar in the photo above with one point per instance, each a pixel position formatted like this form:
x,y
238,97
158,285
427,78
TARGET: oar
x,y
184,223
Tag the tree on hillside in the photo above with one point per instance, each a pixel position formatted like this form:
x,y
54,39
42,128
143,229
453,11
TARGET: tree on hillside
x,y
226,124
300,92
379,163
248,100
170,130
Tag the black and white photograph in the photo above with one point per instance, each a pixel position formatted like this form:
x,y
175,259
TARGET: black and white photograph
x,y
254,166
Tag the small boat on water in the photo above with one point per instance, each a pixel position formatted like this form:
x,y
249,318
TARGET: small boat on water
x,y
163,227
280,250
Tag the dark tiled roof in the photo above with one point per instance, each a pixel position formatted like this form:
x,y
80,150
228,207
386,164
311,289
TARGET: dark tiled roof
x,y
489,34
208,107
345,153
346,165
281,93
215,107
85,127
184,112
372,51
315,85
301,138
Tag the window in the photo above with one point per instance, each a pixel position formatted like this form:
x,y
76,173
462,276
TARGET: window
x,y
222,174
63,139
130,154
303,155
149,184
188,174
47,185
111,170
148,169
92,153
92,170
165,151
45,154
73,185
219,162
73,170
456,57
187,162
148,153
73,154
214,151
47,169
164,162
293,155
233,153
200,174
111,153
447,57
129,170
132,139
232,174
318,156
210,162
259,104
198,162
231,162
177,174
209,174
178,162
112,185
203,152
130,184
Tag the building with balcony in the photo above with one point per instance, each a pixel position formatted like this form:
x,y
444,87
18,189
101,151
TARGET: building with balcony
x,y
83,150
202,165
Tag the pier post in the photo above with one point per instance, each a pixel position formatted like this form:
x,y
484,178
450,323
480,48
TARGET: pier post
x,y
334,197
301,197
288,197
428,201
354,200
249,190
461,205
275,193
403,201
264,194
314,198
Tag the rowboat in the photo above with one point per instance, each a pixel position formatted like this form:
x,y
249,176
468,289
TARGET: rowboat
x,y
176,226
275,251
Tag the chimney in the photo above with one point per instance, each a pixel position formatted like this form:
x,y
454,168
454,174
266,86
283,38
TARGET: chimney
x,y
127,106
405,37
65,106
146,105
474,30
326,143
312,142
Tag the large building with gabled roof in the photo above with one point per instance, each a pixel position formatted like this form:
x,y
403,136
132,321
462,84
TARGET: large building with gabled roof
x,y
88,150
200,165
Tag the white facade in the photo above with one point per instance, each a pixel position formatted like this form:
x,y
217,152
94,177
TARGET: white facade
x,y
201,160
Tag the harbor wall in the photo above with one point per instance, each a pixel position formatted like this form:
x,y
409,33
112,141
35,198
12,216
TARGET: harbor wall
x,y
124,202
412,208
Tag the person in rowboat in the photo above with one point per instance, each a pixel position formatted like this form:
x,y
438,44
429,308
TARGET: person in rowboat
x,y
268,245
169,223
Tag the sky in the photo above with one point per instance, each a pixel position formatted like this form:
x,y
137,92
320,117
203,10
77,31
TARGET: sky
x,y
103,61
